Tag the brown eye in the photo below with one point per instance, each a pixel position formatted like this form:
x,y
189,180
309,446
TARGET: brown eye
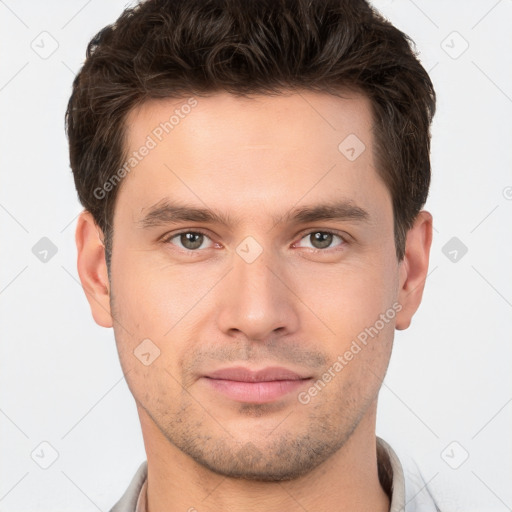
x,y
190,240
321,240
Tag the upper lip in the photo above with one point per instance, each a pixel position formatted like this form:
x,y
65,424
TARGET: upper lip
x,y
242,374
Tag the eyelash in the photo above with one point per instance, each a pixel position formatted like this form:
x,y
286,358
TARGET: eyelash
x,y
344,240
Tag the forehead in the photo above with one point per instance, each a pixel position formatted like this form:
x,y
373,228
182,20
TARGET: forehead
x,y
261,151
286,117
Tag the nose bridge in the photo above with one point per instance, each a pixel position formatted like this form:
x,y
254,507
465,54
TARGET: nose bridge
x,y
255,301
255,282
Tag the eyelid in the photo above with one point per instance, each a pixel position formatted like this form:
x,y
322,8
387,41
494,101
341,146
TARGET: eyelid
x,y
344,237
167,237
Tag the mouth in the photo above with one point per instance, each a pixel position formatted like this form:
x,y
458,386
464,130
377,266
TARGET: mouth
x,y
261,386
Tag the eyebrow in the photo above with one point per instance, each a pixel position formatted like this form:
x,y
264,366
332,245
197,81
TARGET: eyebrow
x,y
165,212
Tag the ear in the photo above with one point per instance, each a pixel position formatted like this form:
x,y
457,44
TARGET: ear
x,y
92,268
414,268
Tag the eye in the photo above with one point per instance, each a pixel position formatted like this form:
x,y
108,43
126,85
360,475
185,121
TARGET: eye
x,y
321,240
190,240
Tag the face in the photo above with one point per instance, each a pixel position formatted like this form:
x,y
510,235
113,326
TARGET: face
x,y
254,283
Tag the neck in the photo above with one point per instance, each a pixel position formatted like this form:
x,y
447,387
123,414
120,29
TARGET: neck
x,y
347,481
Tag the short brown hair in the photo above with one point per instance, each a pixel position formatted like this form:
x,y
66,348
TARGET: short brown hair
x,y
177,48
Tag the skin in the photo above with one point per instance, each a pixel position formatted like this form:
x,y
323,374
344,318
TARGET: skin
x,y
255,160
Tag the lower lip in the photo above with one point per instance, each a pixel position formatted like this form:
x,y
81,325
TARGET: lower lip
x,y
255,392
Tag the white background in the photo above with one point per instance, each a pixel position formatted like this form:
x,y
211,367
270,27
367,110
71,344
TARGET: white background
x,y
450,377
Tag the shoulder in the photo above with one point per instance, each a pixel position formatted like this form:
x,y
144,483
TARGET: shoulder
x,y
128,502
410,491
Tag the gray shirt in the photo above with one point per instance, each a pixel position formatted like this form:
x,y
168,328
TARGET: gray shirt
x,y
410,496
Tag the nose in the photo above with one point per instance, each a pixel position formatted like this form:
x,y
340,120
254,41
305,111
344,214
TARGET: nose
x,y
257,300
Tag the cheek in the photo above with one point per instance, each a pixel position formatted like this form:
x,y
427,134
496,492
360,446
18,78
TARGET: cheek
x,y
154,295
149,306
347,299
161,302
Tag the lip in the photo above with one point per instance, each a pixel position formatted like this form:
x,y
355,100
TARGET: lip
x,y
260,386
242,374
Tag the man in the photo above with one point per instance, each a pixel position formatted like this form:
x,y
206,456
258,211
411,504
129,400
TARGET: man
x,y
253,176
